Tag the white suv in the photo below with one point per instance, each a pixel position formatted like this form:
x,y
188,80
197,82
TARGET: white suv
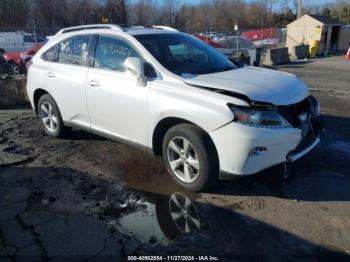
x,y
175,96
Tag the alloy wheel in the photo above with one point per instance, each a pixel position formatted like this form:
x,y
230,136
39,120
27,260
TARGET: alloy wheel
x,y
49,117
15,70
183,159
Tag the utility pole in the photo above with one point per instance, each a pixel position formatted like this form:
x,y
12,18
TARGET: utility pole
x,y
31,20
300,8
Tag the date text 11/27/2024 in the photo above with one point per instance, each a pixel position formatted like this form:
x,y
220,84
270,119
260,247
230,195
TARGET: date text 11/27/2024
x,y
173,258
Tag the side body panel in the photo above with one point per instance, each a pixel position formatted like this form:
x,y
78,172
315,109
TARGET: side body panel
x,y
118,106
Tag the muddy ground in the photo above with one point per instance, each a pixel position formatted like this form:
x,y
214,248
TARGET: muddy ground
x,y
86,198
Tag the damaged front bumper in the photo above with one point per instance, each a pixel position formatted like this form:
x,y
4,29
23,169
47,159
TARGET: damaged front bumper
x,y
245,150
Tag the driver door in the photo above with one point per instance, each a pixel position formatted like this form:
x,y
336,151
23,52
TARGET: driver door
x,y
117,105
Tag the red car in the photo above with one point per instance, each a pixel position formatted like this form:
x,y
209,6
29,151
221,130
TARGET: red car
x,y
263,37
19,60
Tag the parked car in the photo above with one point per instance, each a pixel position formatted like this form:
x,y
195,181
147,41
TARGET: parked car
x,y
263,37
7,68
175,96
235,47
19,41
20,60
213,35
4,66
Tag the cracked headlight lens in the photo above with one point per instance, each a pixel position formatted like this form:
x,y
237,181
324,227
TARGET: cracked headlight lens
x,y
259,118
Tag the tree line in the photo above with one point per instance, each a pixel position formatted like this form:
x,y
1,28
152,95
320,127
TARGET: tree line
x,y
204,15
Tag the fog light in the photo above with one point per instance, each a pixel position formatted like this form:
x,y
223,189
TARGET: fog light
x,y
256,151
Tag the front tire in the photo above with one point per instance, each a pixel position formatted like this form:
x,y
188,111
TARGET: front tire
x,y
50,117
190,157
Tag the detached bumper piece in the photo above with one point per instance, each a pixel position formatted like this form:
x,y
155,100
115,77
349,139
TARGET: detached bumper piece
x,y
311,131
310,140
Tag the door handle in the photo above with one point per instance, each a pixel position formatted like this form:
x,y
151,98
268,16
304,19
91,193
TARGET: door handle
x,y
93,83
50,74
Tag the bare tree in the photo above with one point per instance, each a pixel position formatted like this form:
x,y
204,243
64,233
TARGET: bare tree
x,y
169,12
203,15
143,12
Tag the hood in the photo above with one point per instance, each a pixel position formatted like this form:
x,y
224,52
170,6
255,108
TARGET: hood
x,y
258,84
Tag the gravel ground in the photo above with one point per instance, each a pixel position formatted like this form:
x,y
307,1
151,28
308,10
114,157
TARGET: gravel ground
x,y
85,198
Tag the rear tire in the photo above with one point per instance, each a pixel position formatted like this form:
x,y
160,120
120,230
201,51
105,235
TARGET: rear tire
x,y
190,157
50,117
15,70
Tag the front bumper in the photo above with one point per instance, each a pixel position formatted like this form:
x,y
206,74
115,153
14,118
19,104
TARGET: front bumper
x,y
296,155
234,143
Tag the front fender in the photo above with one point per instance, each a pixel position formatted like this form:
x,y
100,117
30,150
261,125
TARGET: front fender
x,y
207,112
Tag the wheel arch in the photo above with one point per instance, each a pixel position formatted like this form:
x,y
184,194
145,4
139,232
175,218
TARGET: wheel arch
x,y
164,125
36,96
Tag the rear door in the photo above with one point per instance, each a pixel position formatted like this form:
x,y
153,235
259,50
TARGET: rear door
x,y
65,76
117,105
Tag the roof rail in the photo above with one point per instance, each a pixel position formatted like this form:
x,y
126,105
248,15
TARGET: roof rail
x,y
164,28
86,27
119,27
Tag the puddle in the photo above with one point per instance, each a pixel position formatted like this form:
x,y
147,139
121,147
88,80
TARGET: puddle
x,y
162,218
342,146
143,225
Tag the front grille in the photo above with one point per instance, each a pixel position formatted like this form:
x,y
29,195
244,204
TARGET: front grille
x,y
291,112
311,126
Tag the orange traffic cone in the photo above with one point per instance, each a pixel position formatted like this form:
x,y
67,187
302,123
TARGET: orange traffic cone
x,y
347,56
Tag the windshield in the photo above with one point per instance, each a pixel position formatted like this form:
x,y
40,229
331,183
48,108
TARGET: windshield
x,y
183,54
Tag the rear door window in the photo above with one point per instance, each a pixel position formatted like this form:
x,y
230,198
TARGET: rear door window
x,y
74,50
111,53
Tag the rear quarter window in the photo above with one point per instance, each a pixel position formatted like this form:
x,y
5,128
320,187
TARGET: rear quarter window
x,y
51,55
74,50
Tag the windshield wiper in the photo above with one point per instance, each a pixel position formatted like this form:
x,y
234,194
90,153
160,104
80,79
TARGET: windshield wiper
x,y
211,71
222,69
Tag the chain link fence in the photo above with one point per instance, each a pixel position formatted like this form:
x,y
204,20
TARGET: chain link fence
x,y
245,42
244,45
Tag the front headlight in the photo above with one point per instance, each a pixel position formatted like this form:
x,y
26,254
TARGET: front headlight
x,y
259,118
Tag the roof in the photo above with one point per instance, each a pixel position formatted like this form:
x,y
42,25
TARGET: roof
x,y
327,20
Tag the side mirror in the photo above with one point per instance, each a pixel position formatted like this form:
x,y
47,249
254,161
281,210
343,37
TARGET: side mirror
x,y
135,65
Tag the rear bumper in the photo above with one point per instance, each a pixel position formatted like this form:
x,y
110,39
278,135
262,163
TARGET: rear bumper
x,y
235,144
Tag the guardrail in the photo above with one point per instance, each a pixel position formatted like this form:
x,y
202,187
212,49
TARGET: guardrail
x,y
276,56
300,52
13,93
